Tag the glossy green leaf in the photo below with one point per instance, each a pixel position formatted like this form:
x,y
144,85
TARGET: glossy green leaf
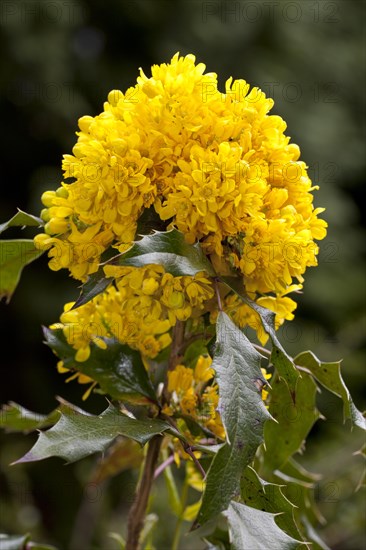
x,y
329,376
96,284
254,529
279,357
15,418
237,366
77,434
14,256
21,219
169,249
294,420
118,369
268,497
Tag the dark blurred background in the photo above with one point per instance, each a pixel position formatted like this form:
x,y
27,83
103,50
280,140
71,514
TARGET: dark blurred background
x,y
59,60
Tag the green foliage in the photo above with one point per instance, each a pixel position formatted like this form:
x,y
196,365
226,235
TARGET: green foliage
x,y
126,376
15,418
254,529
268,497
16,254
329,376
294,419
21,219
237,366
279,357
78,434
169,249
95,284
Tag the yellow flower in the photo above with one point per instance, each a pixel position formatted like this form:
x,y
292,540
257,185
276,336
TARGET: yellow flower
x,y
203,371
215,165
180,379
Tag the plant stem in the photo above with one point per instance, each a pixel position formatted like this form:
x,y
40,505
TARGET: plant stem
x,y
177,342
138,509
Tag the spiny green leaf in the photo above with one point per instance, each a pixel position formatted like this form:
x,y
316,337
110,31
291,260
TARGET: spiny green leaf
x,y
77,435
299,489
237,366
96,284
21,219
329,376
169,249
298,486
118,369
14,256
268,497
280,359
15,418
254,529
294,421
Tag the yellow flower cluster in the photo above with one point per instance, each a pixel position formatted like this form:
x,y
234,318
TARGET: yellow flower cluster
x,y
214,165
192,393
192,396
244,316
139,311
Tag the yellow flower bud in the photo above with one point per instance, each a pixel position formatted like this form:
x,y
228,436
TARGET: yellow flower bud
x,y
56,225
47,198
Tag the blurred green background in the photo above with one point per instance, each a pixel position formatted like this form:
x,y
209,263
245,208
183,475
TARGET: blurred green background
x,y
59,60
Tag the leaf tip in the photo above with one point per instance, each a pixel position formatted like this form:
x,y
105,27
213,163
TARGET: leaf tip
x,y
28,457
